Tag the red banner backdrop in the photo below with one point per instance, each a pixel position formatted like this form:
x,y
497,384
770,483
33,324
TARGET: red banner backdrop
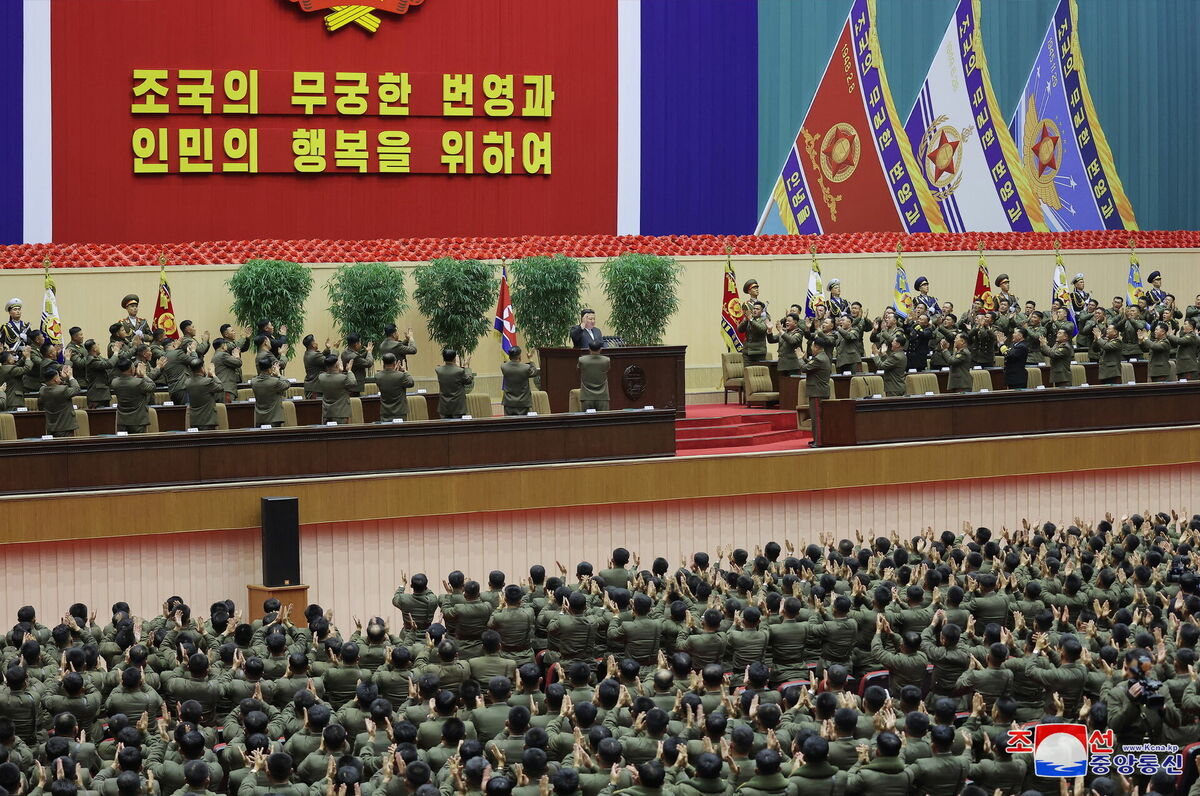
x,y
237,119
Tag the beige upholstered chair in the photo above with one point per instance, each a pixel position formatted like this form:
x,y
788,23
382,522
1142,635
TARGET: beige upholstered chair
x,y
732,374
573,404
479,404
418,407
294,392
153,427
1081,356
289,415
370,389
1127,374
1035,376
980,380
866,386
161,397
921,383
32,404
356,412
222,417
85,427
541,402
1078,374
8,426
758,386
245,394
79,402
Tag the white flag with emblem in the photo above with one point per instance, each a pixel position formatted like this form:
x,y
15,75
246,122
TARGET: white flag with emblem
x,y
962,146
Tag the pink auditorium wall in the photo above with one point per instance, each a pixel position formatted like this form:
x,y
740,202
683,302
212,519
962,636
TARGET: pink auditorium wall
x,y
354,567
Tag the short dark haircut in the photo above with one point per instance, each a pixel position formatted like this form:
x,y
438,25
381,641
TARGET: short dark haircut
x,y
449,354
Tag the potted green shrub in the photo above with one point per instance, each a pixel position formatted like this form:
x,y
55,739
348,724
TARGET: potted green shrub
x,y
456,297
641,292
271,289
365,297
545,296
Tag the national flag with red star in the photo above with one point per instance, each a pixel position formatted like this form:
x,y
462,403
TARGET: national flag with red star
x,y
505,323
851,168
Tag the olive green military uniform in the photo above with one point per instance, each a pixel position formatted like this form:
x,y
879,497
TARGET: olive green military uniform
x,y
203,394
517,397
816,379
1159,368
1129,327
471,619
357,362
401,348
228,368
942,774
883,776
1187,357
314,366
789,343
12,378
515,624
894,365
1110,359
453,382
982,341
1061,356
133,392
55,400
593,382
335,396
269,392
754,347
393,394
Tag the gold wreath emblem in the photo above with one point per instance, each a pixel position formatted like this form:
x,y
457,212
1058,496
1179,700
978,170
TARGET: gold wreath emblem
x,y
166,322
840,151
734,308
1042,154
941,156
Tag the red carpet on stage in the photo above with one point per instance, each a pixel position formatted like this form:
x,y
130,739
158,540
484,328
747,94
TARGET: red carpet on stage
x,y
732,428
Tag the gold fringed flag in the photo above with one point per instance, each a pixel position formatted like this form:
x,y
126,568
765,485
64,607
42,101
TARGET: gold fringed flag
x,y
983,283
164,311
51,324
731,307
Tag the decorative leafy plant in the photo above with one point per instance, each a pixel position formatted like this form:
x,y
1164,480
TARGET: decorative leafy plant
x,y
455,296
641,292
545,297
365,297
271,289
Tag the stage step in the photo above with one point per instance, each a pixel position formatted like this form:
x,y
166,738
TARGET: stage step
x,y
729,429
739,441
778,420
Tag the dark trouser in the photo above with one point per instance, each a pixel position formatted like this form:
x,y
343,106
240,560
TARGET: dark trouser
x,y
515,411
97,404
341,421
958,389
753,357
133,429
1062,384
1111,380
449,417
599,406
1160,378
207,428
179,397
70,433
849,367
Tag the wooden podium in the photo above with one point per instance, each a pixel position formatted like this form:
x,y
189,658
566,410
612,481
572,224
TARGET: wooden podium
x,y
640,376
295,596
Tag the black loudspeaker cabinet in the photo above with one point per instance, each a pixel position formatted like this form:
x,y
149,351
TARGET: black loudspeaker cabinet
x,y
281,541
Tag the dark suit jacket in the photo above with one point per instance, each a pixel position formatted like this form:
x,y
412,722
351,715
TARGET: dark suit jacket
x,y
1015,375
580,337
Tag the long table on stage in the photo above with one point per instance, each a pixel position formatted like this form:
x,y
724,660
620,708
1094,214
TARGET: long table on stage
x,y
1006,412
639,376
180,457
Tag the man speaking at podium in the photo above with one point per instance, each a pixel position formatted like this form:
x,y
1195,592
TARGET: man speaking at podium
x,y
583,334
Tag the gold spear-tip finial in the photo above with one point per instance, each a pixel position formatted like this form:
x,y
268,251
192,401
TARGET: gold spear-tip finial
x,y
162,258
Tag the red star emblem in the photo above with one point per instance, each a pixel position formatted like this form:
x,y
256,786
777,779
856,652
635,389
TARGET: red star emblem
x,y
1044,150
942,156
840,151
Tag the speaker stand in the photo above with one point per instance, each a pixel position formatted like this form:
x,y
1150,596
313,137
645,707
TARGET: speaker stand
x,y
295,596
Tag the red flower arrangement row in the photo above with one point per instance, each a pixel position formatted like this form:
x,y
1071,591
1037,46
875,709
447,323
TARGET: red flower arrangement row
x,y
90,255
